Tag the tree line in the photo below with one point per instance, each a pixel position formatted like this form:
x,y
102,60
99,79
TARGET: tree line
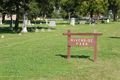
x,y
62,8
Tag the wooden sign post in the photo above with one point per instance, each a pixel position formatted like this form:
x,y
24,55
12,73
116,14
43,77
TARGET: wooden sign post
x,y
82,41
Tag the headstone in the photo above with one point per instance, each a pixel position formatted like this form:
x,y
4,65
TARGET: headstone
x,y
49,30
72,21
19,34
107,20
2,36
46,21
42,29
82,22
36,30
95,31
52,23
29,23
0,18
24,27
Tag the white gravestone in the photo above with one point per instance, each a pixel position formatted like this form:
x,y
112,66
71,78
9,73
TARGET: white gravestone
x,y
0,18
82,22
46,21
49,30
2,36
52,23
29,23
72,21
36,30
42,29
107,20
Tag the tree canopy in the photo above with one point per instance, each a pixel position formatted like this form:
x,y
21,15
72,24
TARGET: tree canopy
x,y
114,5
66,8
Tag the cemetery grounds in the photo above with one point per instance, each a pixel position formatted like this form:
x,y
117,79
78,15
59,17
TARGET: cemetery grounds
x,y
43,55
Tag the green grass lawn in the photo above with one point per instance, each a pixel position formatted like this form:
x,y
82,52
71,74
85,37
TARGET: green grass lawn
x,y
43,55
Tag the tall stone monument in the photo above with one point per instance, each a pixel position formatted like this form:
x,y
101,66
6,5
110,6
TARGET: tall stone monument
x,y
0,18
46,21
24,28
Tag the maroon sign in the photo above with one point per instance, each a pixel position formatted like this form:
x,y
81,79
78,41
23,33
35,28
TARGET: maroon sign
x,y
83,41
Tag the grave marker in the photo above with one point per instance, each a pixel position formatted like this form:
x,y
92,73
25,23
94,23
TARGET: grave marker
x,y
82,22
72,21
46,21
52,23
107,20
29,23
2,36
49,30
42,29
0,18
82,41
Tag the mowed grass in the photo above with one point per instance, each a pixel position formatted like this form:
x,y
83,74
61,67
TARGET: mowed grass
x,y
43,55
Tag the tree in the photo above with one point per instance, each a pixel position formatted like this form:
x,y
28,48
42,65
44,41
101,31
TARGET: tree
x,y
34,10
93,6
46,6
100,6
68,6
8,8
17,4
114,6
63,13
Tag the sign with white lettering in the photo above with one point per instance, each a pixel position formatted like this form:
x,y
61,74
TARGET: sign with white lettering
x,y
83,41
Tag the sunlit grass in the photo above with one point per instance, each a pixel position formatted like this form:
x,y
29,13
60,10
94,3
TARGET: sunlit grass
x,y
43,55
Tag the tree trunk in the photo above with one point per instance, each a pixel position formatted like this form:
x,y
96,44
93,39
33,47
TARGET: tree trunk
x,y
44,16
17,17
115,15
3,17
11,18
98,18
91,14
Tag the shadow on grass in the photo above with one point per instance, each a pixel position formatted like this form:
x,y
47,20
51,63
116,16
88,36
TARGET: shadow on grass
x,y
115,37
46,27
76,56
7,29
20,21
62,23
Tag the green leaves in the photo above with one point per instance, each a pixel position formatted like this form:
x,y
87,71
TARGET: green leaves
x,y
33,9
